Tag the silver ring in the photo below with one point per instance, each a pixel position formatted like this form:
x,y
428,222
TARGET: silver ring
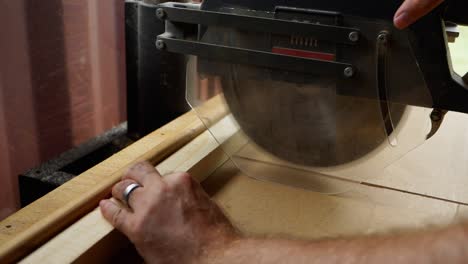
x,y
128,191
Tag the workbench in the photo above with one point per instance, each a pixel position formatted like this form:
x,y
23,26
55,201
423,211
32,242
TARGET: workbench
x,y
427,187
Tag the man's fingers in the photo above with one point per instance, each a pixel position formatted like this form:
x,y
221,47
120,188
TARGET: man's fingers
x,y
118,192
180,180
116,215
412,10
143,173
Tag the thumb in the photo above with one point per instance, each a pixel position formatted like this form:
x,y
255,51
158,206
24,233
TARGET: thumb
x,y
412,10
116,215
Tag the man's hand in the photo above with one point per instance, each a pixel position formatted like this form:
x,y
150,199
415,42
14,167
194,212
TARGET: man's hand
x,y
412,10
171,220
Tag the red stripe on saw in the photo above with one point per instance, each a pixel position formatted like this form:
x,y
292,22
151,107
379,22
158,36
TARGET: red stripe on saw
x,y
304,54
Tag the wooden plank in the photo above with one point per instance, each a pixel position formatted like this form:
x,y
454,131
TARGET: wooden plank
x,y
200,157
438,167
73,237
38,222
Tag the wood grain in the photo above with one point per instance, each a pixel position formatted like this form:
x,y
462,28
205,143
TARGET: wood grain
x,y
269,209
38,222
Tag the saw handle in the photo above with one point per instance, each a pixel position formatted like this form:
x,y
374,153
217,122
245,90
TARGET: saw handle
x,y
429,44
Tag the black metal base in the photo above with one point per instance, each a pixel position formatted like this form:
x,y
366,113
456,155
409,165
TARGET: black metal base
x,y
155,79
39,181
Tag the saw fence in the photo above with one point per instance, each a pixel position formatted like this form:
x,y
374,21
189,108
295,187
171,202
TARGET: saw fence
x,y
426,187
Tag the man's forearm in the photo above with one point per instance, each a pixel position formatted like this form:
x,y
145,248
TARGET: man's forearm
x,y
448,245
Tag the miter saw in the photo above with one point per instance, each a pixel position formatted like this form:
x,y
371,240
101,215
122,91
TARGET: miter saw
x,y
321,84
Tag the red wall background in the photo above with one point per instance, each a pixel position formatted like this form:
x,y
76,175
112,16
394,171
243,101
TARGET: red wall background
x,y
62,81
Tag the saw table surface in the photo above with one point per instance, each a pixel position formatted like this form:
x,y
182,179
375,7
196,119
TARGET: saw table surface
x,y
265,208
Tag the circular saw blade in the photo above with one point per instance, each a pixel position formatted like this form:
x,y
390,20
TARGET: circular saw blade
x,y
305,123
299,131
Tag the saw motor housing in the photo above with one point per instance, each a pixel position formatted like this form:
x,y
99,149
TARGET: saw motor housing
x,y
318,83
